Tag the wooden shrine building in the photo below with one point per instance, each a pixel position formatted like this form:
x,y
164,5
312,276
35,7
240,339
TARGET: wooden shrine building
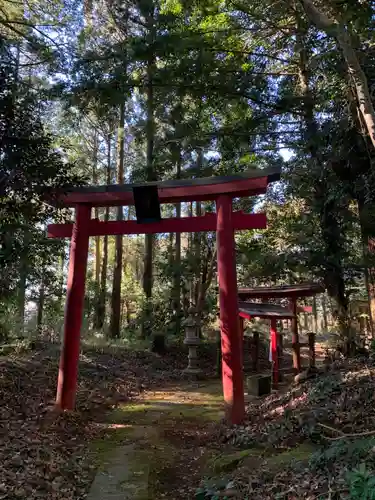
x,y
292,293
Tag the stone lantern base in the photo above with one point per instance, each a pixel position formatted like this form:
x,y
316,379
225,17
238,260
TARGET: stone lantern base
x,y
193,368
192,340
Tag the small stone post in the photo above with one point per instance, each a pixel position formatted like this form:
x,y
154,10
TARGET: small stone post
x,y
192,340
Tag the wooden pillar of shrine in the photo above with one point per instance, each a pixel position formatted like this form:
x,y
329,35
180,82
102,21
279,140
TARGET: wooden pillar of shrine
x,y
242,335
68,369
295,338
231,337
242,327
256,349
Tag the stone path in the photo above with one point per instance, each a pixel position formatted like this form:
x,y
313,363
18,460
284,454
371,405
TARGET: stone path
x,y
165,443
154,445
118,481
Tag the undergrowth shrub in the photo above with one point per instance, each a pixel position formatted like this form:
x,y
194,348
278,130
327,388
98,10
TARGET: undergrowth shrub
x,y
361,483
324,387
353,452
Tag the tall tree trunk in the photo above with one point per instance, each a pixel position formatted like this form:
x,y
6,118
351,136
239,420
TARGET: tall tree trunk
x,y
103,281
170,249
325,313
22,296
337,30
210,267
150,173
61,275
39,317
361,192
138,267
88,10
197,238
100,319
315,314
117,273
191,253
368,240
370,284
98,259
97,238
177,261
24,271
329,227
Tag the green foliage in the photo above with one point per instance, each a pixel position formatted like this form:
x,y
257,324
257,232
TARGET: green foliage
x,y
29,168
171,6
361,483
348,451
210,88
162,319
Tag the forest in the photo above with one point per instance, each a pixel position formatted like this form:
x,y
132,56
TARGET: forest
x,y
122,92
101,93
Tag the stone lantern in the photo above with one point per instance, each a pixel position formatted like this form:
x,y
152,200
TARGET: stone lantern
x,y
192,340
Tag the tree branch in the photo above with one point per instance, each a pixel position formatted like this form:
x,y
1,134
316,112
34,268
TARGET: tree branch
x,y
339,32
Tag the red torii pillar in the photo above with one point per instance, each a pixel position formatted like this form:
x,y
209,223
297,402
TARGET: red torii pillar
x,y
68,369
231,337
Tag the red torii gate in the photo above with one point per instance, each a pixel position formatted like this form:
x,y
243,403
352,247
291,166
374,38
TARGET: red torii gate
x,y
292,293
272,312
220,189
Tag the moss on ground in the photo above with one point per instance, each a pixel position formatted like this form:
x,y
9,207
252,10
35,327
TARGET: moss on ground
x,y
149,413
211,391
301,453
227,462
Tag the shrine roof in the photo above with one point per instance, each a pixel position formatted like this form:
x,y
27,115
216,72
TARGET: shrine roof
x,y
281,291
249,183
250,310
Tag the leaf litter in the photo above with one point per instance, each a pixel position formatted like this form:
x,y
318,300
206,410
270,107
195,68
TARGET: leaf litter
x,y
44,453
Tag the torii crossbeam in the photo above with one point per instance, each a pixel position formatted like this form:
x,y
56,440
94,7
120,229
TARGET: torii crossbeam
x,y
220,189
